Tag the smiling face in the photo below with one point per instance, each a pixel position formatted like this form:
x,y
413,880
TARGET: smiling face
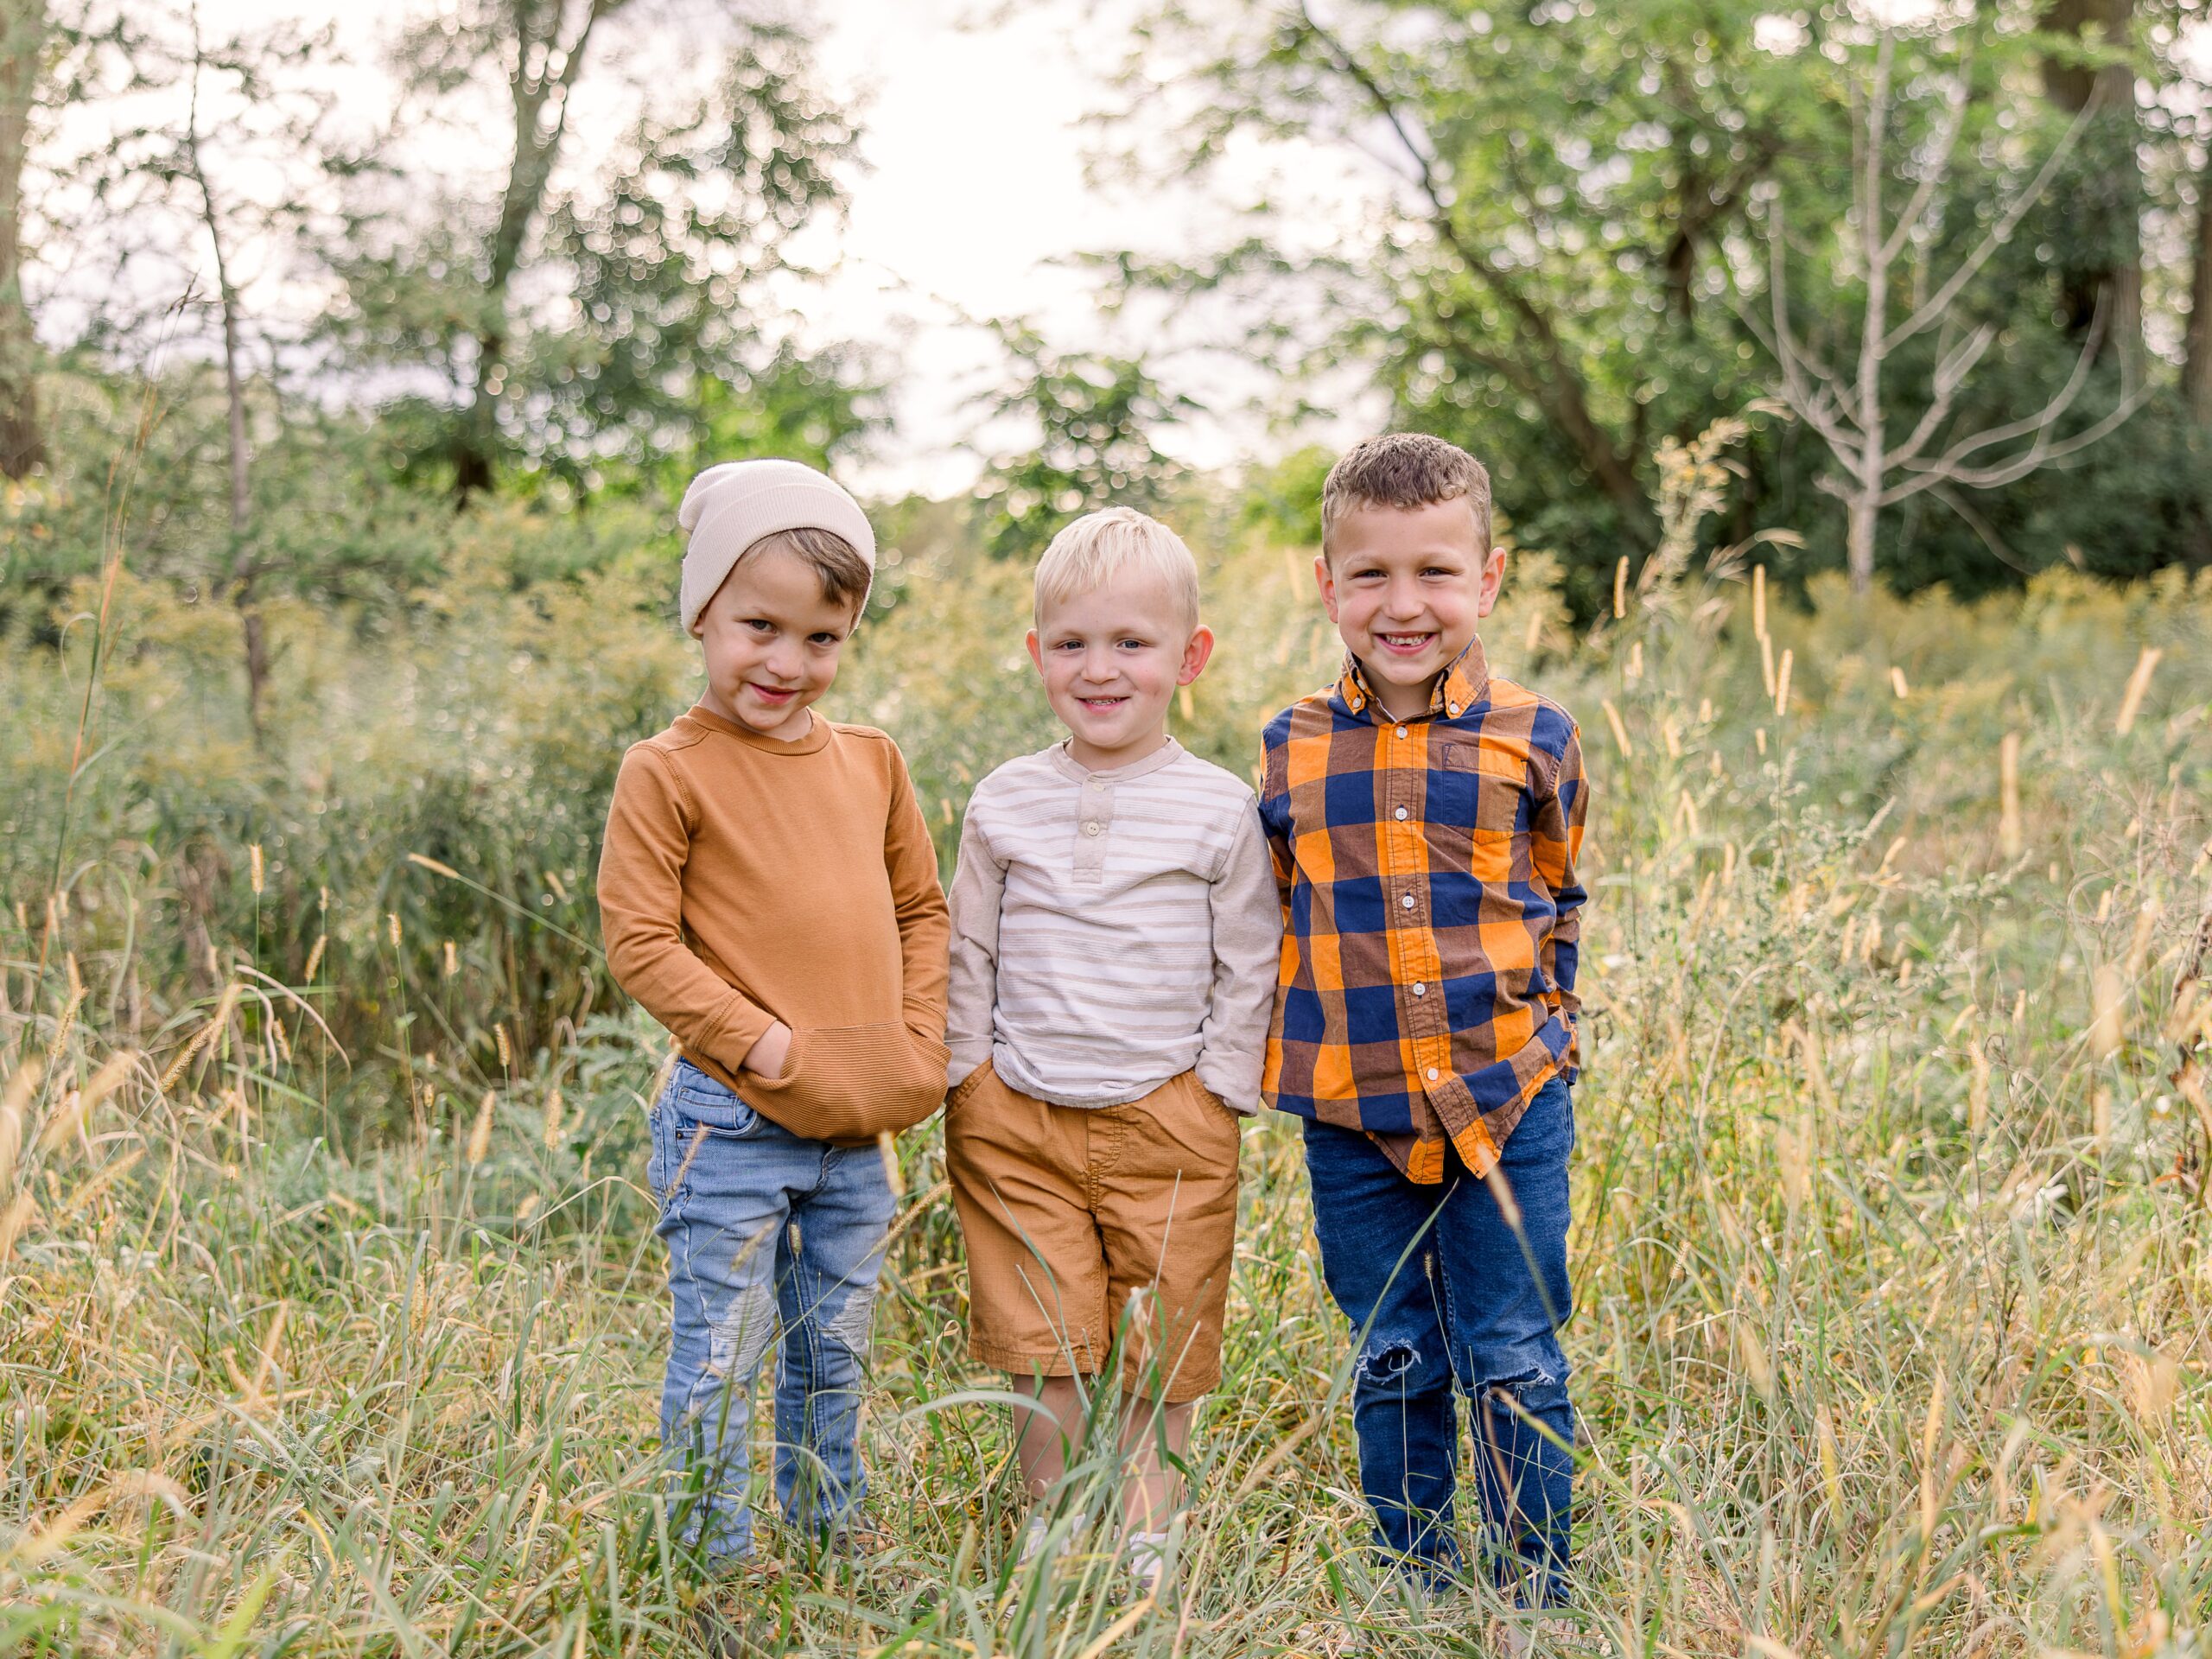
x,y
1111,657
772,639
1405,587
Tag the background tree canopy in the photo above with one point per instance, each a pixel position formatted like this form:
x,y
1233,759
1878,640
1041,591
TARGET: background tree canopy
x,y
1588,230
1578,256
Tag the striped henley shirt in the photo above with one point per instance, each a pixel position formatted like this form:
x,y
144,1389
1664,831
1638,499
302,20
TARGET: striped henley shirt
x,y
1111,930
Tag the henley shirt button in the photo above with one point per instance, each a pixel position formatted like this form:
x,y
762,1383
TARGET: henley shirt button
x,y
1401,814
1407,901
1090,829
1432,1074
1420,989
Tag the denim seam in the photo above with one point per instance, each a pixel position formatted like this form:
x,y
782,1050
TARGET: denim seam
x,y
1451,1345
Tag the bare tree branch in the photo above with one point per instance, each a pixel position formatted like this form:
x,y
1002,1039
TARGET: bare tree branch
x,y
1999,233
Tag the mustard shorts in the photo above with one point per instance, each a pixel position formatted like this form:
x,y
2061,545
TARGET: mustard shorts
x,y
1072,1213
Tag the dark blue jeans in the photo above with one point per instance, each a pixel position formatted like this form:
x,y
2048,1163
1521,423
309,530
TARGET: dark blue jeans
x,y
1444,1293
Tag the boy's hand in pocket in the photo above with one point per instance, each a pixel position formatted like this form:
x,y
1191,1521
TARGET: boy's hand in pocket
x,y
768,1056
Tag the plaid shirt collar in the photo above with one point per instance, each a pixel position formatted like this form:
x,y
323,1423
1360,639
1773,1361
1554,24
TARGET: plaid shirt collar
x,y
1458,689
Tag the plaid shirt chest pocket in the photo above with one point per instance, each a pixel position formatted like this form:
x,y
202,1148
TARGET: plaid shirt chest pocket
x,y
1478,807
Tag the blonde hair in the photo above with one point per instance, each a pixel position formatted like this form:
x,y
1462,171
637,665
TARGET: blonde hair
x,y
1099,546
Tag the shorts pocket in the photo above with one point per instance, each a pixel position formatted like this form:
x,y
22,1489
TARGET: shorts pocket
x,y
1191,1115
966,1088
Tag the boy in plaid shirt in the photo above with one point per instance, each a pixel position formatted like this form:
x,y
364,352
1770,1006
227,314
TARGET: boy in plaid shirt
x,y
1424,818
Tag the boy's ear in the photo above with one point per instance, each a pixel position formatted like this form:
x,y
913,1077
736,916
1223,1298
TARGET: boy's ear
x,y
1493,579
1326,580
1035,655
1196,656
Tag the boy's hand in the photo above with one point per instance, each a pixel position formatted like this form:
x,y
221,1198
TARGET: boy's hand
x,y
768,1056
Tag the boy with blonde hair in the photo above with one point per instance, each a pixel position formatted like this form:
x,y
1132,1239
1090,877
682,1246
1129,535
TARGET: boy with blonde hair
x,y
1115,935
768,891
1425,815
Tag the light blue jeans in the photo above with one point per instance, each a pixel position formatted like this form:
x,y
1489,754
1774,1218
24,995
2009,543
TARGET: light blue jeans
x,y
768,1233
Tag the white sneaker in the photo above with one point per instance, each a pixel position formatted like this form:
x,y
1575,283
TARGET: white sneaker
x,y
1145,1555
1039,1529
1033,1539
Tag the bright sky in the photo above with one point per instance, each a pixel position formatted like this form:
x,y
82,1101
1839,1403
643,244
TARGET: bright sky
x,y
976,188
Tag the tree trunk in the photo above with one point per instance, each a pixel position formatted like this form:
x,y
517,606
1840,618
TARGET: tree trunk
x,y
23,29
543,75
1872,460
2107,211
2197,369
244,568
1859,546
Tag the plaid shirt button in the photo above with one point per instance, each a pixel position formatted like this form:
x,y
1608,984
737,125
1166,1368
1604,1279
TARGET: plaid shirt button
x,y
1407,901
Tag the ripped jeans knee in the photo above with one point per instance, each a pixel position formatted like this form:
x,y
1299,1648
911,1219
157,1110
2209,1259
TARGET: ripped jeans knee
x,y
741,1335
1398,1366
1536,1391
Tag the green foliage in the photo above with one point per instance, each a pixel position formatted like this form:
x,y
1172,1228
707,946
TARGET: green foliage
x,y
1283,503
1095,416
1569,267
584,334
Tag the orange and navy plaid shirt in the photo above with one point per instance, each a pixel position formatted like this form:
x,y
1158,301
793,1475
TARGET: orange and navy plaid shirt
x,y
1430,911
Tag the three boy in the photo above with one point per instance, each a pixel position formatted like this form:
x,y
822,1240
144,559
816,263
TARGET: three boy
x,y
1115,980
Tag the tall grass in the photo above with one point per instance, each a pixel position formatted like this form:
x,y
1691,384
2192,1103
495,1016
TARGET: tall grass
x,y
332,1321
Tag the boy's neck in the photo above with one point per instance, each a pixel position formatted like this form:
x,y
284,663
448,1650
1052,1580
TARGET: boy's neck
x,y
1097,759
714,705
1400,701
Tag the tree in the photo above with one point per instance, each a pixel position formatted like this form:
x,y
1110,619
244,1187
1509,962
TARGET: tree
x,y
1885,259
1559,183
2196,371
243,102
24,31
648,283
2087,75
2196,363
1095,416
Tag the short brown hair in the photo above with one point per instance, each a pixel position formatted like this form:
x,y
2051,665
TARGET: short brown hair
x,y
1405,470
844,574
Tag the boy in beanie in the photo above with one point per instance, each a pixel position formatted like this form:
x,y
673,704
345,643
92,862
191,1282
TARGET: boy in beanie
x,y
768,891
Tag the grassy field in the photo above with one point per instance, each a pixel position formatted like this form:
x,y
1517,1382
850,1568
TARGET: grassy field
x,y
331,1320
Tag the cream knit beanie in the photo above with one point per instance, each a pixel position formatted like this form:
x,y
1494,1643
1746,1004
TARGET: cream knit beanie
x,y
730,506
